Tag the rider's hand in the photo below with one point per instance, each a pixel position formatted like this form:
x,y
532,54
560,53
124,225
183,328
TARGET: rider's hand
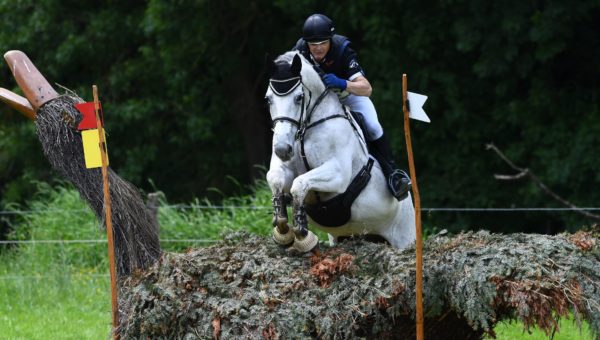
x,y
331,80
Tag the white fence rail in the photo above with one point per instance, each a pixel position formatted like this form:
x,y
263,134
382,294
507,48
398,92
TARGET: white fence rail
x,y
266,208
211,241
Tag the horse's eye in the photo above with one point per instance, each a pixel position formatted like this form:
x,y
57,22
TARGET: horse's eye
x,y
298,98
268,101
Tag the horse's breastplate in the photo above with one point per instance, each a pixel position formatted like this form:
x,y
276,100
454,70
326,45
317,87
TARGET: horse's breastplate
x,y
336,211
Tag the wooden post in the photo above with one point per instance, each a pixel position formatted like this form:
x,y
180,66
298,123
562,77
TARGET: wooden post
x,y
108,215
417,198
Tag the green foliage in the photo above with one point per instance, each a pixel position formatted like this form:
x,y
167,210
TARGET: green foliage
x,y
362,289
182,86
203,220
59,214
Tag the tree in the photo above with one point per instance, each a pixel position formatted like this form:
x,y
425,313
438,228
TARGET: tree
x,y
184,83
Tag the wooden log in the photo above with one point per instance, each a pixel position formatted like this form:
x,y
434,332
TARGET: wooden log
x,y
31,81
17,102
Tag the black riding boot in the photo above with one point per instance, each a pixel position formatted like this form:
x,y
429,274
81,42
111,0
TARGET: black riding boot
x,y
398,180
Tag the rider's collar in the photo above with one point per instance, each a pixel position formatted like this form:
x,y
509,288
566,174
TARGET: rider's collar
x,y
282,87
315,62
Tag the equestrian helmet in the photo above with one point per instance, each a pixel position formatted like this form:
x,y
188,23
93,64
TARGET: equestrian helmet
x,y
317,27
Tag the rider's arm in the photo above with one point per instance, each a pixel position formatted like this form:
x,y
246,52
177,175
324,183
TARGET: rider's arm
x,y
359,86
357,83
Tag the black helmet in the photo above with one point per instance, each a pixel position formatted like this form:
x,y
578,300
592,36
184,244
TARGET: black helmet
x,y
317,27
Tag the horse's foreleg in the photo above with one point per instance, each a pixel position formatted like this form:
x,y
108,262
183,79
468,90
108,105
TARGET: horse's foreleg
x,y
304,239
329,177
281,231
280,217
279,178
300,221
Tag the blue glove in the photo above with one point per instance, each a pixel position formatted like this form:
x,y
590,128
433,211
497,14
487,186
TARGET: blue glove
x,y
331,80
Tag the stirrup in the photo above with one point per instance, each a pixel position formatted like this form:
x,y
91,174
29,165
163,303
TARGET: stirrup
x,y
399,184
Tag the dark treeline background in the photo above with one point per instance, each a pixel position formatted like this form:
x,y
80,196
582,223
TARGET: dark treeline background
x,y
182,84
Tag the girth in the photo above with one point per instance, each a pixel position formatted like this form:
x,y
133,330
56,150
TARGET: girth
x,y
336,211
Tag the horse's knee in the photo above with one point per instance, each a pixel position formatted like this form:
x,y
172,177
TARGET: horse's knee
x,y
298,190
276,180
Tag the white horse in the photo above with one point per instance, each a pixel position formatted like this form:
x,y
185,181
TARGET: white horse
x,y
318,151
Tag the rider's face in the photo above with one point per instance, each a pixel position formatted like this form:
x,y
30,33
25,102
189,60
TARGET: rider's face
x,y
319,49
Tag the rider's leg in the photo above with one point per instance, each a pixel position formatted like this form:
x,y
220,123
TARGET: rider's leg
x,y
398,181
365,106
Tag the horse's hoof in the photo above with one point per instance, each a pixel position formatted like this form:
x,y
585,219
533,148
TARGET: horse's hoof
x,y
283,239
306,244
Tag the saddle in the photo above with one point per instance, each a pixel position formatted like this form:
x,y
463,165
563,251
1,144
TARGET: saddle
x,y
360,120
336,211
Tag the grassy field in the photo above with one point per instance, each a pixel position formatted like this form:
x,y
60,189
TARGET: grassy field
x,y
62,290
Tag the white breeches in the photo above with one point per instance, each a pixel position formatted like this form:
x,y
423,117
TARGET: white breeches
x,y
365,106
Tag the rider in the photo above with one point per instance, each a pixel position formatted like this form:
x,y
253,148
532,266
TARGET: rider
x,y
332,53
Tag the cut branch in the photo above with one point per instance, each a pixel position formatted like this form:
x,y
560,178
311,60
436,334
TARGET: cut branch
x,y
524,172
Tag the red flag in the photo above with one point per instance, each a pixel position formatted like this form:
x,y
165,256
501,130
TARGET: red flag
x,y
89,116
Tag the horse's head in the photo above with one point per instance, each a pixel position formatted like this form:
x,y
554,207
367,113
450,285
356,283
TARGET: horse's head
x,y
292,84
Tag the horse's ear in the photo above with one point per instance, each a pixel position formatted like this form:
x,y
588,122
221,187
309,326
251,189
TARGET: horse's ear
x,y
269,65
296,65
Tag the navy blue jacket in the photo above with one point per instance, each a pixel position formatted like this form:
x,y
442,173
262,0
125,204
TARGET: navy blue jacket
x,y
341,59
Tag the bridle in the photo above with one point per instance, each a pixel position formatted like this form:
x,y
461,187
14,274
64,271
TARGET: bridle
x,y
303,123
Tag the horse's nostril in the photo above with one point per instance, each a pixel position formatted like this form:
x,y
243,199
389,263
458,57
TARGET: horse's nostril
x,y
283,151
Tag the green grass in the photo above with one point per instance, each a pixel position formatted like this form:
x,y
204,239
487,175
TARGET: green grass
x,y
55,307
55,291
62,291
568,331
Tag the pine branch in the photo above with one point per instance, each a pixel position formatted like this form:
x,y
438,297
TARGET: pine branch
x,y
248,287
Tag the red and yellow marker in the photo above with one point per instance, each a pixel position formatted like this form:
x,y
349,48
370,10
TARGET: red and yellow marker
x,y
90,135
